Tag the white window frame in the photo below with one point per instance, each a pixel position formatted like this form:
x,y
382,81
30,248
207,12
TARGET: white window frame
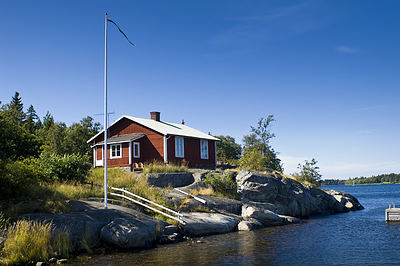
x,y
204,149
116,154
179,142
136,144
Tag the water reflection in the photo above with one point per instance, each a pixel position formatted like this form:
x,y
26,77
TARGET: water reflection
x,y
235,248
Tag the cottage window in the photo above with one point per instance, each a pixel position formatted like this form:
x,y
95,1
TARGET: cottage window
x,y
116,151
179,147
136,150
203,149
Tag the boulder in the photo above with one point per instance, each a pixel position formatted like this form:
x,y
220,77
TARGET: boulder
x,y
202,223
169,179
324,203
84,227
266,217
346,199
258,213
126,234
283,195
286,196
249,225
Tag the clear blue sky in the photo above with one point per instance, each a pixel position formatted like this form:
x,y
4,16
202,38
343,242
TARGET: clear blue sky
x,y
327,70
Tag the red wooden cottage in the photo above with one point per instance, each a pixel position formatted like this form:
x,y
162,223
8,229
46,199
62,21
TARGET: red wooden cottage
x,y
138,140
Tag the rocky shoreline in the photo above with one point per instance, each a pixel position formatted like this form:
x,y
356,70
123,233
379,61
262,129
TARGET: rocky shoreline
x,y
266,200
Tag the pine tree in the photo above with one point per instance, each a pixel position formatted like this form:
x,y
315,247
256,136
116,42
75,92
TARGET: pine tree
x,y
17,107
48,120
32,121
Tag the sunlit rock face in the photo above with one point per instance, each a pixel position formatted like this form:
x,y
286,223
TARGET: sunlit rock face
x,y
285,196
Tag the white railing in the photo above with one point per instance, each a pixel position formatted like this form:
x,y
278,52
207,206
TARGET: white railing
x,y
187,194
178,216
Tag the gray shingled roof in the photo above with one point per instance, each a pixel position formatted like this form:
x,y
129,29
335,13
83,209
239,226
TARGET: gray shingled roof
x,y
120,139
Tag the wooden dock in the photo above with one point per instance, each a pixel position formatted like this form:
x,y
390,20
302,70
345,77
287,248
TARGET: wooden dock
x,y
392,214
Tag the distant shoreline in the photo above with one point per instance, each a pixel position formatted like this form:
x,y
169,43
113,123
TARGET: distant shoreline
x,y
383,183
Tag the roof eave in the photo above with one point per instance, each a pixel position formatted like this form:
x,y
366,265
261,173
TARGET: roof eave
x,y
98,134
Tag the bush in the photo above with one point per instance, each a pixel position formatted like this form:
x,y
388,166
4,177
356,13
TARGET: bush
x,y
73,167
254,160
16,178
32,240
224,186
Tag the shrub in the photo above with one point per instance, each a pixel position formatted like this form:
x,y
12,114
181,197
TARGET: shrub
x,y
33,240
223,186
254,160
16,178
72,167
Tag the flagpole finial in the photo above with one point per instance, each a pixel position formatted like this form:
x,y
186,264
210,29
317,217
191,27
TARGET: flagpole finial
x,y
106,14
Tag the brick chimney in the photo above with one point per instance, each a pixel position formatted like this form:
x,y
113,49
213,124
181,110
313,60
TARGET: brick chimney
x,y
155,116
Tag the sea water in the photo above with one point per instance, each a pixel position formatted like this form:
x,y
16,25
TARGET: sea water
x,y
354,238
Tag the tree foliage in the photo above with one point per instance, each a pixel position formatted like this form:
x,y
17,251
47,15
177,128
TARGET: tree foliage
x,y
78,134
32,121
309,173
228,150
17,108
31,151
258,155
68,167
16,141
261,135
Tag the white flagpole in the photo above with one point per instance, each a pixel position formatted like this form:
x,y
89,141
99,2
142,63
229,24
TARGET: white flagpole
x,y
105,115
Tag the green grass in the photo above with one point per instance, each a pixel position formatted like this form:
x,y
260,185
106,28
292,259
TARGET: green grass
x,y
49,198
32,240
223,185
134,183
164,168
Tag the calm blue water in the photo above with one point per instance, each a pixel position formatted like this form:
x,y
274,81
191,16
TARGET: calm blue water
x,y
355,238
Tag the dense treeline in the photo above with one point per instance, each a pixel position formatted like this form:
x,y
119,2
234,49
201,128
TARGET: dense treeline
x,y
385,178
34,150
328,182
379,179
